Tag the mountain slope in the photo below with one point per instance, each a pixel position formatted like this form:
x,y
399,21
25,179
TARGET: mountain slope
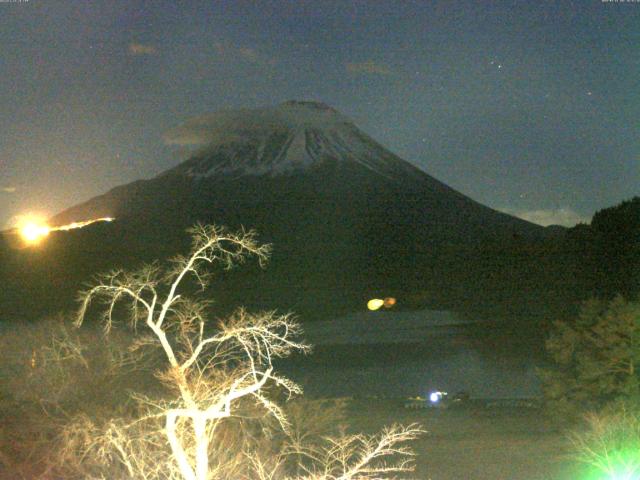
x,y
347,218
297,152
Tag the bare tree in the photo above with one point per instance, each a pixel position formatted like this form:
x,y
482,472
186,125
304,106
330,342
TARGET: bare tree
x,y
357,456
245,344
608,441
212,371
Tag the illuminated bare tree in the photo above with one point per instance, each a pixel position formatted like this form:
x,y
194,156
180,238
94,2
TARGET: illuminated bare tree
x,y
349,457
210,372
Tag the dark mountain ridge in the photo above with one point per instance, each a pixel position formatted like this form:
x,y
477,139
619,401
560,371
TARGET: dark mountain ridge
x,y
347,218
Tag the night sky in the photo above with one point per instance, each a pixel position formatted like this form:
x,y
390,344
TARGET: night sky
x,y
531,107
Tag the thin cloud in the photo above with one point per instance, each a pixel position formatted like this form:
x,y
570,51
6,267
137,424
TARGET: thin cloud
x,y
231,125
369,67
9,189
251,55
195,131
230,52
561,216
142,49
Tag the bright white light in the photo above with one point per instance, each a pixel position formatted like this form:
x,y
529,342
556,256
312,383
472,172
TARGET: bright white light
x,y
375,304
33,232
31,228
435,397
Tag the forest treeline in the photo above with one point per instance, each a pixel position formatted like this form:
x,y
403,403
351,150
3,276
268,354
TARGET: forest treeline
x,y
515,281
543,281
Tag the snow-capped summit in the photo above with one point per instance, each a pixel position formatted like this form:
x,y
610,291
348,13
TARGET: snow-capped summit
x,y
283,139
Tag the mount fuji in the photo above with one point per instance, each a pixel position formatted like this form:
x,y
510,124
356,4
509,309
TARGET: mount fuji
x,y
299,156
347,218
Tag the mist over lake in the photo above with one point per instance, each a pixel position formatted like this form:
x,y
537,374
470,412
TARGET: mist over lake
x,y
399,354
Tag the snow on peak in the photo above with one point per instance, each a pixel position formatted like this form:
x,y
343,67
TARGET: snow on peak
x,y
274,140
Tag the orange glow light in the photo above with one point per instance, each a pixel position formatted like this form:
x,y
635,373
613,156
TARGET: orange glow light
x,y
33,230
74,225
377,303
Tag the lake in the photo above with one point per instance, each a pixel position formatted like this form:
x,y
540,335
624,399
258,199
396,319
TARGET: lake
x,y
412,353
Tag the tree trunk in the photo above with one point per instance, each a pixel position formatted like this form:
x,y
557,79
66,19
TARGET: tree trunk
x,y
202,447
